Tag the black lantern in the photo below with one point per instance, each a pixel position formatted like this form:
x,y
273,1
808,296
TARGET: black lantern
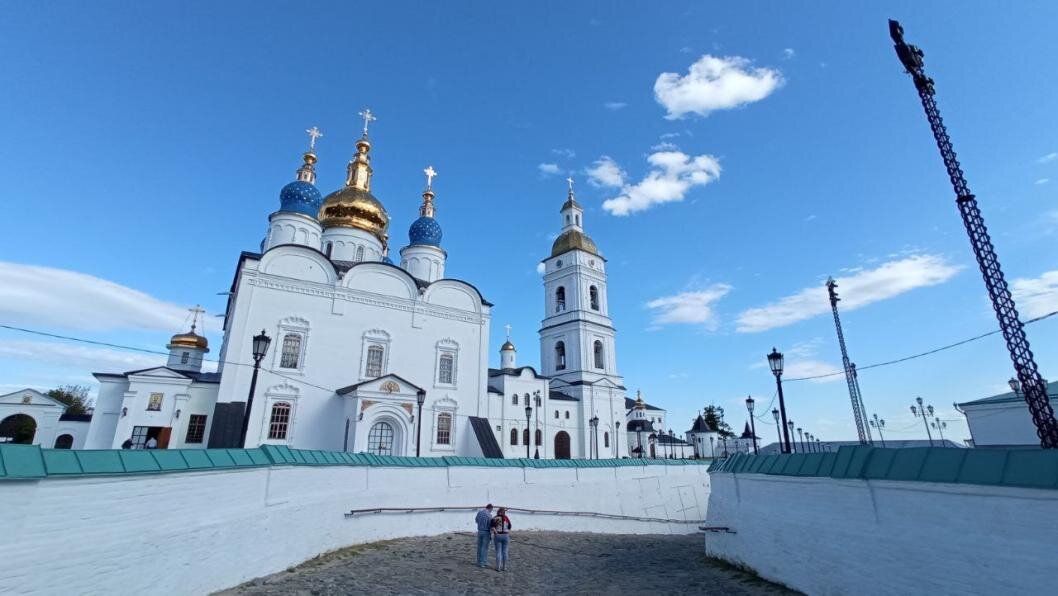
x,y
1015,385
260,345
775,361
528,417
420,398
260,348
750,403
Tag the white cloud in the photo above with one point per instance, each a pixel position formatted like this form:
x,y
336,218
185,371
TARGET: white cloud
x,y
673,175
567,153
31,295
689,308
664,146
1048,158
669,135
1036,296
78,357
810,217
605,172
1042,181
540,268
614,105
860,289
548,169
788,53
800,369
714,83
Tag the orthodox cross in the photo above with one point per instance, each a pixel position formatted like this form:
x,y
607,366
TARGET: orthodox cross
x,y
508,328
195,312
314,133
430,173
368,118
570,181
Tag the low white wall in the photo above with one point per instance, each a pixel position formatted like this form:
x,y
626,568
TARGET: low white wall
x,y
194,532
829,536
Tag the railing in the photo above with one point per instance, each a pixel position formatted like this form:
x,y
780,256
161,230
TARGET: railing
x,y
380,510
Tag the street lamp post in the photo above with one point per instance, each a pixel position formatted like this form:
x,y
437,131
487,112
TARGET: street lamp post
x,y
420,398
752,422
802,435
940,425
653,450
790,429
595,433
775,362
528,417
808,441
778,430
878,423
923,412
617,439
536,443
672,444
260,348
819,446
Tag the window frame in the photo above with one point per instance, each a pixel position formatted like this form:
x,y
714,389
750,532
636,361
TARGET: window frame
x,y
294,354
560,355
598,354
277,422
593,298
442,416
292,325
374,338
514,437
200,433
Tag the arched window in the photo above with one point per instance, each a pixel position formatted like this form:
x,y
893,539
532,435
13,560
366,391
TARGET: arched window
x,y
577,219
525,436
291,351
567,414
539,437
514,436
606,439
64,442
527,399
444,428
556,414
514,399
593,295
380,439
327,250
185,357
359,253
560,356
374,361
598,355
560,299
446,368
279,421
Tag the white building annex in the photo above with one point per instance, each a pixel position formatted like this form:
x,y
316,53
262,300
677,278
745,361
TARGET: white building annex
x,y
357,340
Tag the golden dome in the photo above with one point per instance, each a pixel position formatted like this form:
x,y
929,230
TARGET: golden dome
x,y
188,340
352,207
507,346
573,239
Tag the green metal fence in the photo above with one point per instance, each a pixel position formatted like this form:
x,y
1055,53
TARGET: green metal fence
x,y
22,462
1030,468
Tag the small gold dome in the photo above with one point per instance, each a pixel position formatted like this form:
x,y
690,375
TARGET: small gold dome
x,y
573,239
507,346
188,340
351,207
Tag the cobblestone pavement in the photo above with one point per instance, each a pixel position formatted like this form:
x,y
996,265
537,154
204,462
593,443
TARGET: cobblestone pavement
x,y
541,563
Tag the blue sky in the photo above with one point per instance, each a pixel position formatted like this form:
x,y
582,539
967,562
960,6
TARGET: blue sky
x,y
145,145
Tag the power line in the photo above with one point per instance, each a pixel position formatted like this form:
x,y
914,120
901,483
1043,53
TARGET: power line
x,y
921,354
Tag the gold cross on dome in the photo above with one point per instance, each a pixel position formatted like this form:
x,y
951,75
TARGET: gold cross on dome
x,y
368,118
314,133
430,174
570,181
508,328
195,312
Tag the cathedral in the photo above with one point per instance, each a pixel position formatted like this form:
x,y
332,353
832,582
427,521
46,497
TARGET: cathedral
x,y
388,355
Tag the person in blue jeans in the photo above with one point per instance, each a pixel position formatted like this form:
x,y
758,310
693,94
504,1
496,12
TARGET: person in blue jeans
x,y
501,533
484,522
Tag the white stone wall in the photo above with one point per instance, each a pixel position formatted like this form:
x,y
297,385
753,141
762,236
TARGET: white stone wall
x,y
830,536
1001,424
195,532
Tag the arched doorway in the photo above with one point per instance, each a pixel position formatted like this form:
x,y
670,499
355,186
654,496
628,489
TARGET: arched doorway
x,y
562,445
380,438
18,428
64,441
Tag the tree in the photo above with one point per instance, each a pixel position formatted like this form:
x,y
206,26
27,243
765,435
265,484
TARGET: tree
x,y
714,419
74,396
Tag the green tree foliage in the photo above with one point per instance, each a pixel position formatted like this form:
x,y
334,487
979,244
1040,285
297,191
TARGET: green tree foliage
x,y
74,396
714,419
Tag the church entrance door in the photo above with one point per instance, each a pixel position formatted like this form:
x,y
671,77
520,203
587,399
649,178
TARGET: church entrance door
x,y
562,445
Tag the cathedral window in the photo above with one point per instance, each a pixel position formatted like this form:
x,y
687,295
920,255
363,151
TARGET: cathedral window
x,y
446,369
184,358
514,436
154,403
444,429
560,356
291,351
598,355
525,436
556,414
560,299
279,422
539,437
327,250
567,414
593,296
576,218
514,399
606,439
196,428
359,253
527,399
374,361
380,439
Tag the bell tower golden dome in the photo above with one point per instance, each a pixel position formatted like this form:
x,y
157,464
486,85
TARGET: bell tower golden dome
x,y
354,206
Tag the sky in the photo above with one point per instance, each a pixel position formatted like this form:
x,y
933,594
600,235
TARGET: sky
x,y
729,156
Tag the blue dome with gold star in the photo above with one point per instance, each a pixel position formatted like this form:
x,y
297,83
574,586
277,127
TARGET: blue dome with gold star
x,y
425,231
300,197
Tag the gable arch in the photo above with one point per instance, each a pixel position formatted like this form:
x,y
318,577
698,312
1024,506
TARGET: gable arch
x,y
298,262
453,294
380,278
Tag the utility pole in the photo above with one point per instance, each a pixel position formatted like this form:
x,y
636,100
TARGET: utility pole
x,y
1033,387
850,369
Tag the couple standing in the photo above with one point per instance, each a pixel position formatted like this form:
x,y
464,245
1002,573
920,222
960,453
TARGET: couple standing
x,y
496,528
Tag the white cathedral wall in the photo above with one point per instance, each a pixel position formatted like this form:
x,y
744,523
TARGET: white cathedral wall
x,y
1001,424
156,523
840,536
372,300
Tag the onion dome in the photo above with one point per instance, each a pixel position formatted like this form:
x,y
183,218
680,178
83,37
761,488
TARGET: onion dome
x,y
301,195
354,206
188,340
507,345
425,230
574,240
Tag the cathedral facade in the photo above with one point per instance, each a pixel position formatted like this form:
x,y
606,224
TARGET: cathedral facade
x,y
368,355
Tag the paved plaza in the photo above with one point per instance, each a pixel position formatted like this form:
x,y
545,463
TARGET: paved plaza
x,y
541,563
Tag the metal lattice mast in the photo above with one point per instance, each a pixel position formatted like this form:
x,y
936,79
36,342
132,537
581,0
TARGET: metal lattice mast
x,y
1033,387
850,369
